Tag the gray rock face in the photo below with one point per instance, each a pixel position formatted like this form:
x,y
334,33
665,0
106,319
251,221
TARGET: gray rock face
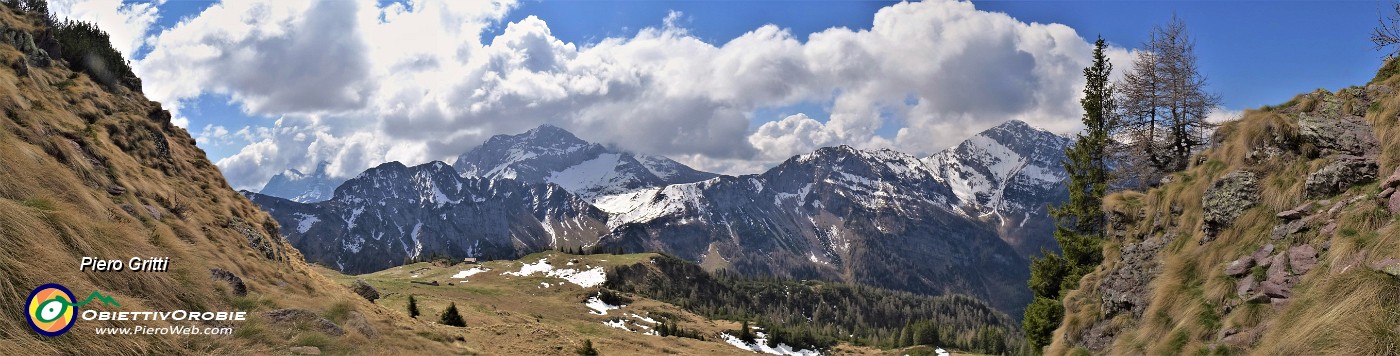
x,y
548,154
1010,174
1125,290
1226,199
393,213
293,185
1341,134
1340,175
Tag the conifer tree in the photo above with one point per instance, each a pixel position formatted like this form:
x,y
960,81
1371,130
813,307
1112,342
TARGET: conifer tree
x,y
745,333
412,307
1079,223
450,317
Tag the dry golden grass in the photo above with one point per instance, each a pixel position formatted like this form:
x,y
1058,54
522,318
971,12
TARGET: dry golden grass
x,y
1340,307
63,142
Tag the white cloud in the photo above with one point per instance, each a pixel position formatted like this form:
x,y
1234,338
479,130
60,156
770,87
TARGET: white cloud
x,y
1221,114
357,84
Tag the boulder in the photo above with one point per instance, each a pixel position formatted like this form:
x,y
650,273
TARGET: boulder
x,y
298,316
1262,256
1292,227
1226,199
1258,297
1278,270
155,213
1296,213
1393,181
1385,194
1347,134
235,284
1302,258
1390,266
1246,287
1340,175
1393,204
357,322
1275,290
365,290
1239,267
1329,229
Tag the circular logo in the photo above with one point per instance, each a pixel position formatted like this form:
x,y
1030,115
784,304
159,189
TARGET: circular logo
x,y
51,309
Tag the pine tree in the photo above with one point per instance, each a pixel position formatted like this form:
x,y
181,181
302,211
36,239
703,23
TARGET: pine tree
x,y
906,335
450,317
1079,222
745,333
412,307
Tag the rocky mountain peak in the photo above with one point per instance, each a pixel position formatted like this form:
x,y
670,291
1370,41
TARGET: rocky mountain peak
x,y
1010,173
302,187
549,154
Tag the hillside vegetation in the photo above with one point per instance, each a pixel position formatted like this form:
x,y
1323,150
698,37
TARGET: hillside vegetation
x,y
94,170
1279,239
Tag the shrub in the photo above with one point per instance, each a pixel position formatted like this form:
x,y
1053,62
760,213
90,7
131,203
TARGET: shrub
x,y
587,349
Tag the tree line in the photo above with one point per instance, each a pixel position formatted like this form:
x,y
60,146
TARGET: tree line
x,y
818,315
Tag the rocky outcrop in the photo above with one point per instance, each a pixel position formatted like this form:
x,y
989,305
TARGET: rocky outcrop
x,y
235,284
365,290
1281,271
1125,289
1334,127
1229,197
1339,175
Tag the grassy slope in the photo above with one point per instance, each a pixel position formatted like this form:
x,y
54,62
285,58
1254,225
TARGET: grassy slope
x,y
511,315
1335,309
62,142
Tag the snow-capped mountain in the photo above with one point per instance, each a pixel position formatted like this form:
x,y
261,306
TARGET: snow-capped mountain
x,y
1008,175
960,221
392,212
299,187
875,217
553,155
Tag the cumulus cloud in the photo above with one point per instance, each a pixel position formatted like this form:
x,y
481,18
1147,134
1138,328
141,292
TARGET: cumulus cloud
x,y
358,83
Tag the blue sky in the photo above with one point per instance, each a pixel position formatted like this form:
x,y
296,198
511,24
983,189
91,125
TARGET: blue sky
x,y
1255,53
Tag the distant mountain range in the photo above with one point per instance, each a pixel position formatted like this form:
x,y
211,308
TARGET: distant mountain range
x,y
548,154
963,220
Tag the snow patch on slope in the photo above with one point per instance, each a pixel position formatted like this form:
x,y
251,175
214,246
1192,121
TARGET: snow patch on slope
x,y
760,344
